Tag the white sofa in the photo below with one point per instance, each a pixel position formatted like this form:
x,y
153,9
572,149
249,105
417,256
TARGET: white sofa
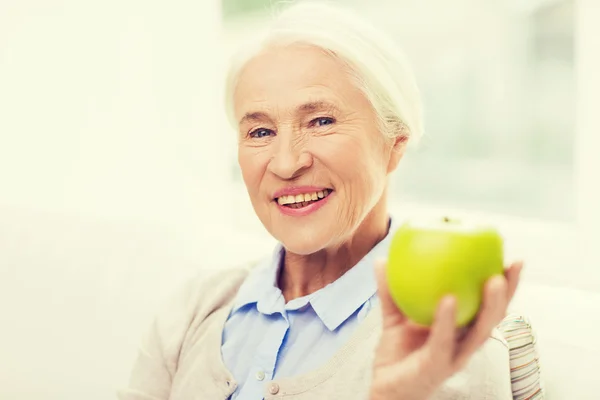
x,y
77,292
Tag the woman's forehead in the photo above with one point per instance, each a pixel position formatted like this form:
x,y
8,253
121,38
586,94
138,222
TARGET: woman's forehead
x,y
296,75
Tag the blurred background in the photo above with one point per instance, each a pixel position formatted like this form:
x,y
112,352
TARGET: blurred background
x,y
119,180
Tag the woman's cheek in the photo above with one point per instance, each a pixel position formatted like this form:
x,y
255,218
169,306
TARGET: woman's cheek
x,y
336,151
250,176
252,160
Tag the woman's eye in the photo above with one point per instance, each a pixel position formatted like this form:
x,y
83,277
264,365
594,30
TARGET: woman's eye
x,y
322,121
261,133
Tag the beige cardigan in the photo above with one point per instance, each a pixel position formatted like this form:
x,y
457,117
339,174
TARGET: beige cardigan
x,y
180,359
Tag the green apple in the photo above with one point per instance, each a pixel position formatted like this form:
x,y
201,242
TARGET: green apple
x,y
428,260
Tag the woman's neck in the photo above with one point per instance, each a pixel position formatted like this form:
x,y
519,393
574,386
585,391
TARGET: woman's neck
x,y
305,274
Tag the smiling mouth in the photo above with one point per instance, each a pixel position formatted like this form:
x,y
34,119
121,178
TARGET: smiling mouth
x,y
303,200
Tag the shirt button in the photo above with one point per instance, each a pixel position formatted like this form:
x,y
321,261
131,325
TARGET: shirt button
x,y
274,388
260,375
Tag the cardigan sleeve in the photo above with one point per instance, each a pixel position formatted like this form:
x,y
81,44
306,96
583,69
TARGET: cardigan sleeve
x,y
159,353
486,376
498,382
157,358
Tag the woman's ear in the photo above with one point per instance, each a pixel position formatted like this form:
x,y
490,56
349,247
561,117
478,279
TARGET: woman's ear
x,y
398,148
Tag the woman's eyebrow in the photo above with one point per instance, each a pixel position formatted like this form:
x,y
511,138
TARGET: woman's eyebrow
x,y
254,117
314,106
306,108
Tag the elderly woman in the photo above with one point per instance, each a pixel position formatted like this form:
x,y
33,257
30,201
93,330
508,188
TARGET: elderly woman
x,y
324,106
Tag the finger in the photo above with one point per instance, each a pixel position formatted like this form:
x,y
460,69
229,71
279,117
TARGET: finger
x,y
390,312
491,313
442,341
513,274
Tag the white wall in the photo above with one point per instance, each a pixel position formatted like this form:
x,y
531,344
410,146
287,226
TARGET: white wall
x,y
107,108
112,181
587,170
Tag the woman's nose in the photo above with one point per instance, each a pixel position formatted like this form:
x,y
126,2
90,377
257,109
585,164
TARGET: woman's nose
x,y
290,157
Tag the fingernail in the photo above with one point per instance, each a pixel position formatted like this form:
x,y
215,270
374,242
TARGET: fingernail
x,y
449,300
496,280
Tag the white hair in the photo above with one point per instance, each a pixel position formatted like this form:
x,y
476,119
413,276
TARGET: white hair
x,y
379,66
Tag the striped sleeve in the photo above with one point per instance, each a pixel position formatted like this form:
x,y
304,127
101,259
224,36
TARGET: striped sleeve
x,y
524,359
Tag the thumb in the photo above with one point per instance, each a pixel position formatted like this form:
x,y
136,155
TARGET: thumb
x,y
391,314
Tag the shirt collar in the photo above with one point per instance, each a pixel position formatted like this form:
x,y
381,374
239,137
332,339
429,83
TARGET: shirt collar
x,y
261,283
333,304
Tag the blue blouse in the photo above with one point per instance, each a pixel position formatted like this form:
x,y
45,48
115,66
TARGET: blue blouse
x,y
266,338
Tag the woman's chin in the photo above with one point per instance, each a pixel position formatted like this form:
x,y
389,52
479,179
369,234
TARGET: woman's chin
x,y
304,243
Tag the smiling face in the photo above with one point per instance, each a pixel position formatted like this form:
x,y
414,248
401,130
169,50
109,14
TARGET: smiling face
x,y
312,157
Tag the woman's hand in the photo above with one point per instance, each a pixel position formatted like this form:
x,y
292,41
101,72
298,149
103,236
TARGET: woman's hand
x,y
412,362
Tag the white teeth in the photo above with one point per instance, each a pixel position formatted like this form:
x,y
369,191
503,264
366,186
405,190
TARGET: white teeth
x,y
286,200
303,198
